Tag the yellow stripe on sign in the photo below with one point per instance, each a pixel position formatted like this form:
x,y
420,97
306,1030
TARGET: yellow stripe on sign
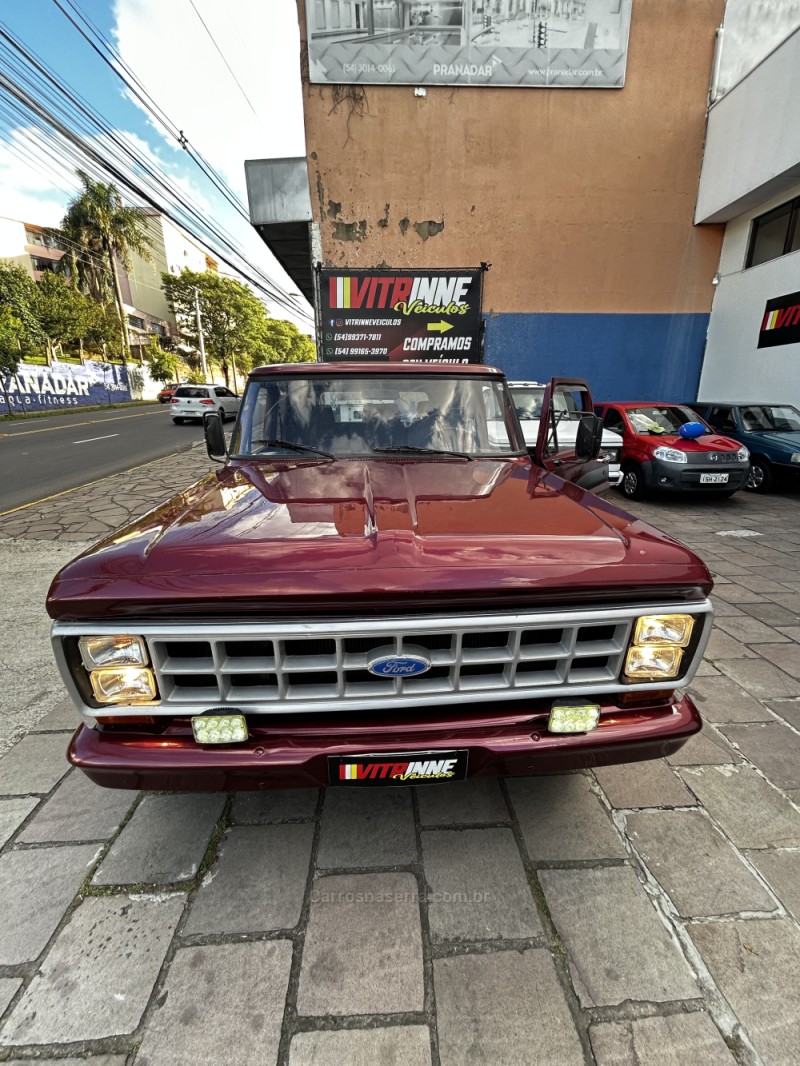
x,y
772,320
347,292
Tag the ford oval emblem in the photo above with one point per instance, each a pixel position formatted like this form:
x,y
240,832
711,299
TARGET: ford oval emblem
x,y
399,666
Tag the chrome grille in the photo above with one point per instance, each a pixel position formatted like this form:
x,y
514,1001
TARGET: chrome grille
x,y
322,666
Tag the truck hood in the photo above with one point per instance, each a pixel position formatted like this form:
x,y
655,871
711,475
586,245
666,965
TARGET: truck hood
x,y
312,535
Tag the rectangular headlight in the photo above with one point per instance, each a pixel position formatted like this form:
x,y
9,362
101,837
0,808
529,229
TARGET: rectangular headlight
x,y
664,629
653,662
123,684
113,651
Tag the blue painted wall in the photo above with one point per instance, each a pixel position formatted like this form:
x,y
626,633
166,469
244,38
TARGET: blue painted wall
x,y
622,356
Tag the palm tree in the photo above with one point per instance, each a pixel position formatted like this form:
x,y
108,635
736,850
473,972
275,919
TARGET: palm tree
x,y
98,225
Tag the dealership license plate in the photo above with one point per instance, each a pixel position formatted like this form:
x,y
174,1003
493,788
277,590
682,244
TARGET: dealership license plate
x,y
398,768
713,479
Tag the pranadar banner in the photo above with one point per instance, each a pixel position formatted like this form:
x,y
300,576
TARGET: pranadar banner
x,y
39,388
526,43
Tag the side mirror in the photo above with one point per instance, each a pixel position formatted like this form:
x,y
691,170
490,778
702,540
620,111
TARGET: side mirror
x,y
590,437
215,437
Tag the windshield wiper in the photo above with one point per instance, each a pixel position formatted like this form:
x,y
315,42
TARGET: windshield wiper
x,y
274,442
412,449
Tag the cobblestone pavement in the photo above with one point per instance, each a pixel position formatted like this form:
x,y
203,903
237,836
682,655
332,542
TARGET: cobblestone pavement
x,y
644,914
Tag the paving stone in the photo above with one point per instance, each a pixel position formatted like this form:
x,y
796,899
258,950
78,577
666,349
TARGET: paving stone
x,y
781,869
164,841
8,989
217,999
478,886
747,630
788,710
785,656
719,699
62,718
561,818
757,968
97,977
792,632
399,1045
257,883
367,827
79,810
643,784
675,1040
772,747
748,809
95,1060
363,946
462,803
503,1009
617,946
761,678
726,610
34,765
705,669
723,646
13,813
733,593
771,613
36,887
696,867
274,805
704,749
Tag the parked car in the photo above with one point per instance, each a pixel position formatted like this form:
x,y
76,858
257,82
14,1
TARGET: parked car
x,y
656,456
378,587
167,392
191,402
527,397
770,432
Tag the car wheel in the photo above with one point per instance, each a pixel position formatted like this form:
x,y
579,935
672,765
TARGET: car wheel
x,y
760,477
178,421
222,415
632,482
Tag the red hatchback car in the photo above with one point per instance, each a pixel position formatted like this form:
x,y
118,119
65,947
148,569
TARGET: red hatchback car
x,y
656,456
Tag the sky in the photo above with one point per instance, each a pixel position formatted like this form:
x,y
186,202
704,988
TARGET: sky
x,y
251,111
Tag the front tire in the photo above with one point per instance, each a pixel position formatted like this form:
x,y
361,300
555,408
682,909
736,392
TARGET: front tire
x,y
632,482
760,478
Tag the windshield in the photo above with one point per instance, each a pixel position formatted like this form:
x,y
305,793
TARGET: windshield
x,y
527,402
771,419
658,420
351,416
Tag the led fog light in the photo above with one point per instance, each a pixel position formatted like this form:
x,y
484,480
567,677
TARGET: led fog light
x,y
664,629
573,717
653,662
112,651
123,684
219,728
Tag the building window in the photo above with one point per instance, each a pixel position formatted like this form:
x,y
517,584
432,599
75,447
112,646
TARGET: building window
x,y
774,234
43,264
136,322
156,327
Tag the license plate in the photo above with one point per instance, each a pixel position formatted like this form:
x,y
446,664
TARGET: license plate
x,y
398,768
713,479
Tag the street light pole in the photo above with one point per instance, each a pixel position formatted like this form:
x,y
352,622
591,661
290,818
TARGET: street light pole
x,y
200,332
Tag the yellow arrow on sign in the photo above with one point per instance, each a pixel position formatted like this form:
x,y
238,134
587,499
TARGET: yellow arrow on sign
x,y
439,327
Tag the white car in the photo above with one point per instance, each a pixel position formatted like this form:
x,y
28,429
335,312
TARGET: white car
x,y
527,398
193,401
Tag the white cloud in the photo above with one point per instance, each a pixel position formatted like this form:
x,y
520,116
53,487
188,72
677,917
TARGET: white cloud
x,y
36,184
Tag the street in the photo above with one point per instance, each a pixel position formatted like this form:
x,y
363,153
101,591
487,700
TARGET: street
x,y
41,457
644,913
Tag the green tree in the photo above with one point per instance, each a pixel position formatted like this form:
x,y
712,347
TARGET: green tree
x,y
64,314
163,366
232,317
106,231
13,346
103,328
282,342
18,294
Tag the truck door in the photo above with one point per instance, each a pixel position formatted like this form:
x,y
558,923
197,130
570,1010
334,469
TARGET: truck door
x,y
570,434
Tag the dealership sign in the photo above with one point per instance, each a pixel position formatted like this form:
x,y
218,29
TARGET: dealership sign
x,y
781,321
529,43
411,316
39,388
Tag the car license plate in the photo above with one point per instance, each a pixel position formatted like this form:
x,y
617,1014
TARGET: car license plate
x,y
398,768
713,479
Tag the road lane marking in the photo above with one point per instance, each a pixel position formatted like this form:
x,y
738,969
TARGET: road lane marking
x,y
72,425
89,440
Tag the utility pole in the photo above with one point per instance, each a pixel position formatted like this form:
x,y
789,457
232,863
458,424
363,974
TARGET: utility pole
x,y
200,331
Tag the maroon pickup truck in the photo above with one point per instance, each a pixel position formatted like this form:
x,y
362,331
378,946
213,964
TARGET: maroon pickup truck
x,y
379,586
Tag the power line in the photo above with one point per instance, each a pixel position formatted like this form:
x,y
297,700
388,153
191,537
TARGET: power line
x,y
224,60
